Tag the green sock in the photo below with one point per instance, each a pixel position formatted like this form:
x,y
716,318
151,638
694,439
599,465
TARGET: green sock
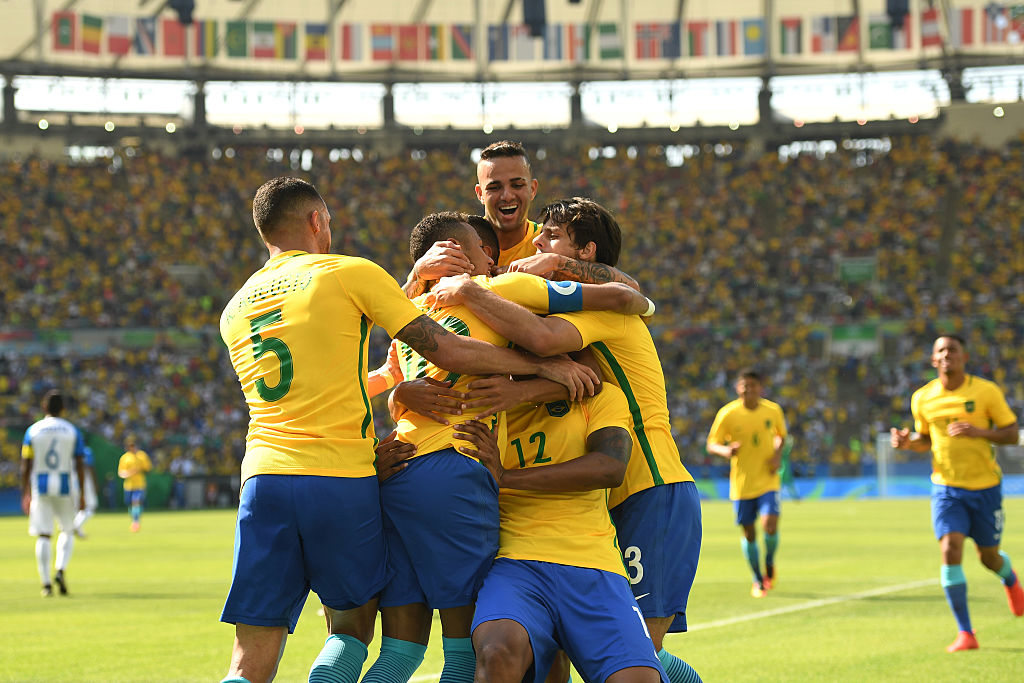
x,y
771,542
459,660
397,662
1006,571
236,679
750,550
678,671
340,661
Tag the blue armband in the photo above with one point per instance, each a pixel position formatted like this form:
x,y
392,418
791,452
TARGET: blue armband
x,y
565,297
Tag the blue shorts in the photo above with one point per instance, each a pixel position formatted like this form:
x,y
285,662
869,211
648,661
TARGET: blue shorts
x,y
441,516
589,613
977,514
659,531
296,533
135,497
748,509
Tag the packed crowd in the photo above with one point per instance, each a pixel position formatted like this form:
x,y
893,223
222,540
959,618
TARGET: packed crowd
x,y
742,254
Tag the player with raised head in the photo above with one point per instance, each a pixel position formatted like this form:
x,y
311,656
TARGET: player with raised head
x,y
958,416
442,510
309,515
750,432
132,467
52,464
656,509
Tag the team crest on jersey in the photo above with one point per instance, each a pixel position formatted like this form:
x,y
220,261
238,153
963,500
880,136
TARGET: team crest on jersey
x,y
767,424
557,408
969,406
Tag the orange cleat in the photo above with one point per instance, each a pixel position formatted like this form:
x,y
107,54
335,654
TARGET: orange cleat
x,y
757,590
1015,596
965,640
135,526
769,583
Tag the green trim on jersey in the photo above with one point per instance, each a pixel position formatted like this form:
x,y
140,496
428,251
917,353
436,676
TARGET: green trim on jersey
x,y
634,411
364,334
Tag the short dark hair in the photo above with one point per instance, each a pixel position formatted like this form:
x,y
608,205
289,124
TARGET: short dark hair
x,y
486,232
750,373
53,402
587,221
955,337
435,227
280,200
504,149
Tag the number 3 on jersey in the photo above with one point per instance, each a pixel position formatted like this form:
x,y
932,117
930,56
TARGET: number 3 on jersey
x,y
261,345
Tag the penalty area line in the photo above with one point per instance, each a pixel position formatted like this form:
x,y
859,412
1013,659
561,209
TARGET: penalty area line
x,y
813,604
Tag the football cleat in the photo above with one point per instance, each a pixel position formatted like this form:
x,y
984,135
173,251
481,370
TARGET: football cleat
x,y
47,591
59,580
757,590
135,527
965,640
1015,596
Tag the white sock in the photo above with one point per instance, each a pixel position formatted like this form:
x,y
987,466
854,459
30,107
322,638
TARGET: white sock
x,y
65,542
43,558
81,516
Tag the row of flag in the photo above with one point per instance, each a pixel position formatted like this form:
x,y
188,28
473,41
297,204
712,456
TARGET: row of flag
x,y
122,35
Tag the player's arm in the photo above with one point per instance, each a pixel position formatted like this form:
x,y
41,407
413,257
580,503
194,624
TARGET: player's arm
x,y
1008,435
26,478
469,356
726,450
428,397
387,375
558,267
441,260
906,440
602,466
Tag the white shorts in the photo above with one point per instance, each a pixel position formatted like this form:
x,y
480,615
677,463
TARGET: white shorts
x,y
44,510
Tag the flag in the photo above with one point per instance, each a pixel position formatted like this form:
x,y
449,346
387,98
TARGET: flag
x,y
996,25
462,41
697,38
205,34
552,41
577,42
753,37
791,36
435,44
961,27
145,36
497,43
316,42
848,29
64,31
263,40
352,42
930,35
409,39
520,43
236,39
173,34
119,35
286,40
609,44
382,42
823,34
882,35
92,33
657,41
726,43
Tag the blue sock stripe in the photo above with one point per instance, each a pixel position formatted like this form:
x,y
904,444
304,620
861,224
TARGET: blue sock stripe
x,y
459,660
397,662
340,660
677,670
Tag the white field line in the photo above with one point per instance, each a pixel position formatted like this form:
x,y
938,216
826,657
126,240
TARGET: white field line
x,y
810,604
813,604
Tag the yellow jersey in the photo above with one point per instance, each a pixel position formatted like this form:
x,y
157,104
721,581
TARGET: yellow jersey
x,y
565,527
963,461
297,334
137,460
530,291
750,474
523,249
629,360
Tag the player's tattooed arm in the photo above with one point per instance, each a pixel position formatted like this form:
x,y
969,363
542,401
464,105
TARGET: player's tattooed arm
x,y
423,335
603,466
592,273
613,442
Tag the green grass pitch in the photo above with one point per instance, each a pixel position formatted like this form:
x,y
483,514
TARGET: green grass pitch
x,y
857,599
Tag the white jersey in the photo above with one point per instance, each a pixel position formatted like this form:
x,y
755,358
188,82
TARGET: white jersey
x,y
52,444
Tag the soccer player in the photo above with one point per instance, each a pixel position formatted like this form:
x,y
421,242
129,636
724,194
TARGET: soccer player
x,y
88,489
442,510
958,417
750,431
558,582
309,512
657,508
506,188
132,467
52,457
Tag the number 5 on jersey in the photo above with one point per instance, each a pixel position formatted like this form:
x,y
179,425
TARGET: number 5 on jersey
x,y
262,345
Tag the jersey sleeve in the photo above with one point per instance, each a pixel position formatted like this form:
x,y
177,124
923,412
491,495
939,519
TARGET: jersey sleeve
x,y
999,411
79,444
378,296
719,432
26,447
535,293
920,423
595,326
607,409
